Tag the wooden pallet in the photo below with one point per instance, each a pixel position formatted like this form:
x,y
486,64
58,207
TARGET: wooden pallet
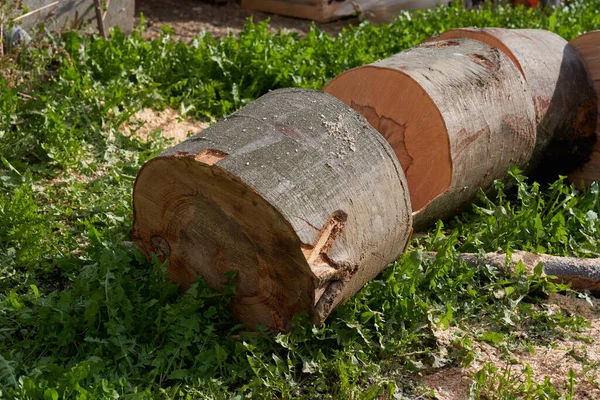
x,y
329,10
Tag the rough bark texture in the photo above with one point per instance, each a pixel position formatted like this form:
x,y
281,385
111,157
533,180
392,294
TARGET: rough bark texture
x,y
457,113
588,47
563,95
296,191
581,273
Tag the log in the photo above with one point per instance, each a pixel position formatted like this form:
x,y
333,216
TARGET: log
x,y
563,95
588,47
457,113
581,273
296,192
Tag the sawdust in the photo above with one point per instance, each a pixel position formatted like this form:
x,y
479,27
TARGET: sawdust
x,y
147,120
344,138
579,353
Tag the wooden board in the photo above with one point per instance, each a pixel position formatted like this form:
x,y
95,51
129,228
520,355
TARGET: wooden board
x,y
326,10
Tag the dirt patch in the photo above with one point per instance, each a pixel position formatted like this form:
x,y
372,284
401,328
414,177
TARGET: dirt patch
x,y
189,17
168,121
579,352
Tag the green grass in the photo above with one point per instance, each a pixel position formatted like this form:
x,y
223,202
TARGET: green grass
x,y
82,315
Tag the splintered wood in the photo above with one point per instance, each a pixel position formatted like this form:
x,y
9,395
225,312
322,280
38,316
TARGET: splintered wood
x,y
296,192
457,113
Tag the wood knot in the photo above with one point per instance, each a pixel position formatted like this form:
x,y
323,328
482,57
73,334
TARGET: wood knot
x,y
483,61
160,246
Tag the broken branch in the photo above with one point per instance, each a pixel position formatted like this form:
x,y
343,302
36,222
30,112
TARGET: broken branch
x,y
581,273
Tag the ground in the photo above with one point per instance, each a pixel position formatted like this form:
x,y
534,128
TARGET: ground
x,y
574,352
168,121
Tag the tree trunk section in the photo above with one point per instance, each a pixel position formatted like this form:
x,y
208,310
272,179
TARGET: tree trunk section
x,y
563,95
588,47
457,113
296,192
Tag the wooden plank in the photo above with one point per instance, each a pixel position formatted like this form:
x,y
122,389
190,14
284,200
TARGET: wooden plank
x,y
324,10
308,9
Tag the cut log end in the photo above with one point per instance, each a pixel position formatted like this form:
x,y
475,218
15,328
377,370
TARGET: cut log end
x,y
216,224
587,46
407,117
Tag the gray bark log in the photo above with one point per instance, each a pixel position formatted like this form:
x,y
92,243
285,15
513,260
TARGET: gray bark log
x,y
296,191
562,92
484,105
588,47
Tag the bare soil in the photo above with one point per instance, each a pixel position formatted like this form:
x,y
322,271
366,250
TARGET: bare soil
x,y
190,17
575,351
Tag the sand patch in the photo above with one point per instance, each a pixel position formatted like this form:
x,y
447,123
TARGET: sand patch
x,y
168,121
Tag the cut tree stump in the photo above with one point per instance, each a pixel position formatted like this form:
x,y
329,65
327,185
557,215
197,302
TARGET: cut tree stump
x,y
563,94
457,113
296,192
588,47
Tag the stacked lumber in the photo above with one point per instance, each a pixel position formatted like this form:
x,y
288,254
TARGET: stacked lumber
x,y
308,195
296,192
588,47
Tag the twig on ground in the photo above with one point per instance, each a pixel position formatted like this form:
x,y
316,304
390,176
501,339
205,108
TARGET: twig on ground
x,y
2,34
106,10
99,18
26,96
20,17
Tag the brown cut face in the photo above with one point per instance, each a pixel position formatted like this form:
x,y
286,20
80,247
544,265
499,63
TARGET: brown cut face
x,y
206,222
587,46
407,117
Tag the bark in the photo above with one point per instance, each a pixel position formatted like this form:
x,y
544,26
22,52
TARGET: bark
x,y
563,94
588,47
581,273
457,113
296,192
